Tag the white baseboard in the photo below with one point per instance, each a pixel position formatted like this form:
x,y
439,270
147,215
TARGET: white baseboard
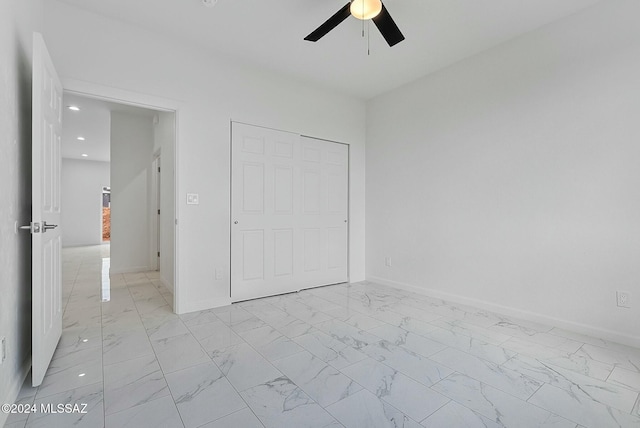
x,y
589,330
14,388
81,244
203,305
132,269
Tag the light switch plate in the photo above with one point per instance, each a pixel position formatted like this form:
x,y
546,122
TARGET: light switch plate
x,y
193,199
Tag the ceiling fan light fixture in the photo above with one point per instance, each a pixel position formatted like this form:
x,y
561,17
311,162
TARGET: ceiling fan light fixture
x,y
362,9
365,9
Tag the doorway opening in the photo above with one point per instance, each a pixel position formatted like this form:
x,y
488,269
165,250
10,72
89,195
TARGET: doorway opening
x,y
114,148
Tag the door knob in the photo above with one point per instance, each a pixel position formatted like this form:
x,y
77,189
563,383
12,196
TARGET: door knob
x,y
32,227
235,222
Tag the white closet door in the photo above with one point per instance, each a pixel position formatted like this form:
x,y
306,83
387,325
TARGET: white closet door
x,y
289,211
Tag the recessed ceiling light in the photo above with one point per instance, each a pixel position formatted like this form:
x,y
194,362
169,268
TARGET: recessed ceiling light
x,y
73,108
81,374
80,138
209,3
84,155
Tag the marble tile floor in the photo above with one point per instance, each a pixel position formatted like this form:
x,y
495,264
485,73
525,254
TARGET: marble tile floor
x,y
348,355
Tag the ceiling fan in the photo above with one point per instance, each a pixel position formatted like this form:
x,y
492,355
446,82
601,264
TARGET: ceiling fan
x,y
362,9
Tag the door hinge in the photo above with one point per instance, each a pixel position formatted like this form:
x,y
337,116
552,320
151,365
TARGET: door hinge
x,y
158,253
158,212
158,169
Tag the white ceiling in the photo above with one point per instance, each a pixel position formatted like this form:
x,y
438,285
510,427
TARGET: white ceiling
x,y
93,123
269,34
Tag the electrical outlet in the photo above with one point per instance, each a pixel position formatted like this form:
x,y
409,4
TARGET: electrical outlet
x,y
3,349
387,261
623,299
219,274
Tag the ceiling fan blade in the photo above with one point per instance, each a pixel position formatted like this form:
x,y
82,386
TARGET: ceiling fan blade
x,y
329,24
388,27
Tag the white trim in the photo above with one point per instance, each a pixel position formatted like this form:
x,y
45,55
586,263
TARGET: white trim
x,y
202,305
120,96
95,90
585,329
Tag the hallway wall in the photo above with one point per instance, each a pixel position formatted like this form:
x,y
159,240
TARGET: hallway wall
x,y
131,158
81,192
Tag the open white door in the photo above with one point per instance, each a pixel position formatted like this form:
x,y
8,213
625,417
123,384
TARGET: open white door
x,y
45,217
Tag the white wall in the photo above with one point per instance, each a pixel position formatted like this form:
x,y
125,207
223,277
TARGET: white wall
x,y
164,138
18,20
510,180
131,159
211,92
81,191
